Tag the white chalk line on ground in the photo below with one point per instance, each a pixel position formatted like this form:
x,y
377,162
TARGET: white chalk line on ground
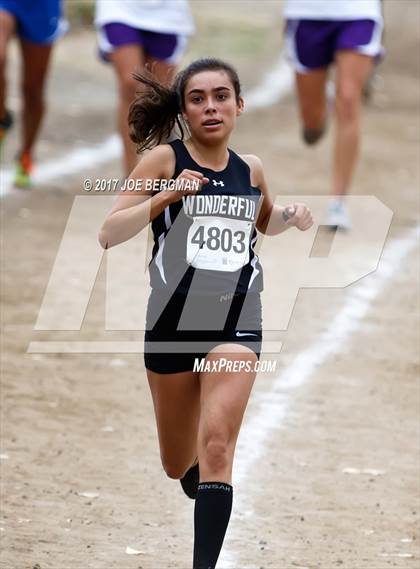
x,y
273,405
276,84
79,160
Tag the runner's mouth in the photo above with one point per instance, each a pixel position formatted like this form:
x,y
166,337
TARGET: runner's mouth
x,y
211,122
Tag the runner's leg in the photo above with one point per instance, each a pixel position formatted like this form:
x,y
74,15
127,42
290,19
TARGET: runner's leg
x,y
162,71
352,72
176,401
127,59
224,396
7,28
311,91
35,67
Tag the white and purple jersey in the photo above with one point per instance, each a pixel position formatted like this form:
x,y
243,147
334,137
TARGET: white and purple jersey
x,y
160,27
333,10
317,29
161,16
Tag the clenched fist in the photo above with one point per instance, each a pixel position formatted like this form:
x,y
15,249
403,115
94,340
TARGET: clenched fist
x,y
298,215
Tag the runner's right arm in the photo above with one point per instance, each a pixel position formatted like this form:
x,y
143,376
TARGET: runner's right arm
x,y
133,210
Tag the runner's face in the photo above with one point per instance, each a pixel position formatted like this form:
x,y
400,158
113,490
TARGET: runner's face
x,y
210,106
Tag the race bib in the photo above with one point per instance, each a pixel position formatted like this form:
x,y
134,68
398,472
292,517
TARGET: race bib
x,y
218,244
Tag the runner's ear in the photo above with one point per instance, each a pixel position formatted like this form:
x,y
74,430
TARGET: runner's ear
x,y
240,107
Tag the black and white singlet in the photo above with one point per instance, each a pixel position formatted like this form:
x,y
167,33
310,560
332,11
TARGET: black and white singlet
x,y
204,243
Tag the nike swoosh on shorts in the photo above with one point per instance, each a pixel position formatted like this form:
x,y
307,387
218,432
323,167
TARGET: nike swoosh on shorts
x,y
239,334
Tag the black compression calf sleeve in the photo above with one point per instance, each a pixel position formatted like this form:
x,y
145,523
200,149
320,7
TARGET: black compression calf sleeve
x,y
213,506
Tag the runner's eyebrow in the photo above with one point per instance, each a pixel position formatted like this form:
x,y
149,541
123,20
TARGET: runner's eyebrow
x,y
223,88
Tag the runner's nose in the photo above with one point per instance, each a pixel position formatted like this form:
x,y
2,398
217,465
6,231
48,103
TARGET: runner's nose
x,y
210,106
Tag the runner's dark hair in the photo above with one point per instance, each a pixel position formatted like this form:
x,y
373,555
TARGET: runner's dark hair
x,y
156,110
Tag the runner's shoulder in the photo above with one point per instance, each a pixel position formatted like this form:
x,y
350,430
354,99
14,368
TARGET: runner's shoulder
x,y
256,167
161,159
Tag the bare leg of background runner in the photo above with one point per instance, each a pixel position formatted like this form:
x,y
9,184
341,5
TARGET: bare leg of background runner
x,y
164,72
311,91
126,60
35,67
7,28
352,72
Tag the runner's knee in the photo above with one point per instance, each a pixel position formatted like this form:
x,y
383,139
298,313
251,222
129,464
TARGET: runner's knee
x,y
347,105
215,451
174,469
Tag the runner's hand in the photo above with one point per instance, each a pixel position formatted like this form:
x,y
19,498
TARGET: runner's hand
x,y
190,176
298,215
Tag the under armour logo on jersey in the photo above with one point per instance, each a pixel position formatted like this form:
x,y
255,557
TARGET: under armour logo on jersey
x,y
221,183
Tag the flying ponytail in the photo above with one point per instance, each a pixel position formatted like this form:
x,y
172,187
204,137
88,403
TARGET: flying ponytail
x,y
154,113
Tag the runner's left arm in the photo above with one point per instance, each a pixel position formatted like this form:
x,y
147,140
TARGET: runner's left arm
x,y
274,219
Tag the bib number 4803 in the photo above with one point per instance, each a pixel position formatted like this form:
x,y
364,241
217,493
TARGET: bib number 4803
x,y
218,244
216,238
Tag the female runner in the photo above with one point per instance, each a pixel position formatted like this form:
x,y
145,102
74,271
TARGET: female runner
x,y
206,280
133,36
320,33
37,25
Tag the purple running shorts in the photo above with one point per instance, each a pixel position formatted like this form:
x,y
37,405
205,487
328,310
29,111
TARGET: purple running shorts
x,y
312,44
165,47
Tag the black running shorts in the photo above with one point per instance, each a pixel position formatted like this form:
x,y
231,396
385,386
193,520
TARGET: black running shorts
x,y
181,328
